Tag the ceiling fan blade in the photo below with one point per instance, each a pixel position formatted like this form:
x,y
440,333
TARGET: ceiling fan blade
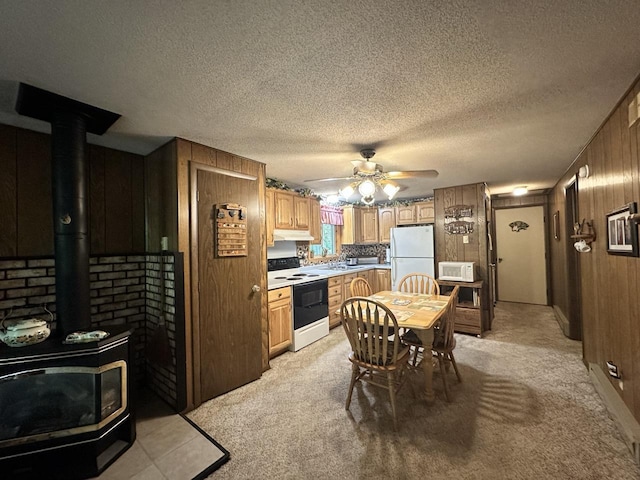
x,y
328,179
412,174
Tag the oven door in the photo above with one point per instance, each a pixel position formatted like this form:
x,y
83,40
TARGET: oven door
x,y
310,303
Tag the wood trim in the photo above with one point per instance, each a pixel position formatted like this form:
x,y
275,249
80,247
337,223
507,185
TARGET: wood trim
x,y
195,282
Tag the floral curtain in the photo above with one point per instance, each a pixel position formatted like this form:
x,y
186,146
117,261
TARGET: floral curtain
x,y
331,215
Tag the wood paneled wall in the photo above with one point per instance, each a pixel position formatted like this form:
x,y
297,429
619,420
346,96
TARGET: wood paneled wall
x,y
524,201
160,172
115,190
609,284
451,248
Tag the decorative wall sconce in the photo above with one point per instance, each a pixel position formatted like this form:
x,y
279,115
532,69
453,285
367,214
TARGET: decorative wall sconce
x,y
583,172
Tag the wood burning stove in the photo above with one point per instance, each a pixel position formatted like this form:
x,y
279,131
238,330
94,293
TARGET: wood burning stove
x,y
65,410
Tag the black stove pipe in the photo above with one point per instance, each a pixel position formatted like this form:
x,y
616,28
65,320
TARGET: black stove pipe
x,y
70,120
71,232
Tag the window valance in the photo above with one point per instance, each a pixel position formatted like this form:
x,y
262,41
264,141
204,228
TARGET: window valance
x,y
331,215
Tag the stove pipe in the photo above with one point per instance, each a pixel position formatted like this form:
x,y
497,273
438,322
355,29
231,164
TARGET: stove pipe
x,y
70,121
70,225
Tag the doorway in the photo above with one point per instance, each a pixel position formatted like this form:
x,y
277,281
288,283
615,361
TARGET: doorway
x,y
521,252
227,299
574,313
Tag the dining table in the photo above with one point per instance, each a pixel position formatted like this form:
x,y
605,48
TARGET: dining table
x,y
419,312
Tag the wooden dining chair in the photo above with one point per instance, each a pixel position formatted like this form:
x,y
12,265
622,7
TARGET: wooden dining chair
x,y
443,341
359,287
419,283
375,358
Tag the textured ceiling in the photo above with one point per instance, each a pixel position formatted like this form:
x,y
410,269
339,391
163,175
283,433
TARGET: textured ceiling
x,y
503,92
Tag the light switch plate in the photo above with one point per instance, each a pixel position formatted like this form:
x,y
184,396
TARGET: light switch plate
x,y
465,239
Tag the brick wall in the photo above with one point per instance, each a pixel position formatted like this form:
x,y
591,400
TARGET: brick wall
x,y
125,289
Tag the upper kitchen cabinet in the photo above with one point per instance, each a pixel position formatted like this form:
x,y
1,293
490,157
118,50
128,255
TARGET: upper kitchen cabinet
x,y
302,217
360,225
425,212
315,228
284,210
386,221
417,213
405,215
270,213
291,211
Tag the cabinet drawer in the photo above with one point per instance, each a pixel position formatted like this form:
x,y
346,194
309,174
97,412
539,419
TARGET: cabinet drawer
x,y
279,294
334,303
336,290
335,281
468,316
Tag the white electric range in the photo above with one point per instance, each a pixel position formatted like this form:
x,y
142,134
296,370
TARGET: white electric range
x,y
310,299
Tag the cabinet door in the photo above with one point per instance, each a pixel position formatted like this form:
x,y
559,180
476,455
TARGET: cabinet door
x,y
425,212
279,325
383,280
369,225
386,221
346,283
284,210
301,217
350,231
315,228
270,213
406,215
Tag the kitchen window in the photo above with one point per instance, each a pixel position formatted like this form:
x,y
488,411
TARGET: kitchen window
x,y
328,242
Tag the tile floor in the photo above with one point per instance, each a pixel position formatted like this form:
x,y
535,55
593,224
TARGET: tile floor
x,y
167,446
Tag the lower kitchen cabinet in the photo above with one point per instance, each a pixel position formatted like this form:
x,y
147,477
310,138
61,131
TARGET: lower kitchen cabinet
x,y
383,280
280,320
335,300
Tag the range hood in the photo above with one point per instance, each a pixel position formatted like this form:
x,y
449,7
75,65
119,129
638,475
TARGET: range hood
x,y
295,235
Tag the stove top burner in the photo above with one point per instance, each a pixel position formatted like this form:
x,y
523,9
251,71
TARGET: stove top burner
x,y
280,278
313,275
299,275
293,278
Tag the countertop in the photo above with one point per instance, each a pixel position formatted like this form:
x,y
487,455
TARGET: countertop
x,y
324,271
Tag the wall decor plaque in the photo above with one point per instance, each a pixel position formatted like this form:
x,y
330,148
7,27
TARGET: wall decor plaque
x,y
230,224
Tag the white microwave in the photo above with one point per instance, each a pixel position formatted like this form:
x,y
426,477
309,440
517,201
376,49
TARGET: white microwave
x,y
457,271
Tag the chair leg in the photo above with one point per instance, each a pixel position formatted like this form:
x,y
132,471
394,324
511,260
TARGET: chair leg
x,y
443,373
392,394
355,371
455,366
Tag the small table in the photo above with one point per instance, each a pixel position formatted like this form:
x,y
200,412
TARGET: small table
x,y
420,313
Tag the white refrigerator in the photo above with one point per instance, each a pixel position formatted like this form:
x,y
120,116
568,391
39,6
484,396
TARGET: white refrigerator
x,y
411,252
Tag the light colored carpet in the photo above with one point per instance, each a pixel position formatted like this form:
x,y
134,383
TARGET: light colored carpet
x,y
526,410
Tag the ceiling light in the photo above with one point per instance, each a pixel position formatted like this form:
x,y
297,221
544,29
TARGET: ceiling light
x,y
346,192
367,188
518,191
390,189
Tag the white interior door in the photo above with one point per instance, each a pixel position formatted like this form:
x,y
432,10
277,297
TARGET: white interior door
x,y
522,268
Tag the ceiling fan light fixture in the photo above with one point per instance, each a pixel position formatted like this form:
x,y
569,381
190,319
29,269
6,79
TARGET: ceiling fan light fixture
x,y
333,198
367,188
390,189
368,200
346,192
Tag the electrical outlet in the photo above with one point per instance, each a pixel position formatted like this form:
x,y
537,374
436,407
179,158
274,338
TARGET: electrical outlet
x,y
465,239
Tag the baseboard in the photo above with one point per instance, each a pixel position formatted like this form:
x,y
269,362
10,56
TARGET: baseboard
x,y
624,420
562,320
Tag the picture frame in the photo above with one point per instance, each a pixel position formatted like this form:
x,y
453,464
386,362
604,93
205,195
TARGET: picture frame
x,y
556,225
622,234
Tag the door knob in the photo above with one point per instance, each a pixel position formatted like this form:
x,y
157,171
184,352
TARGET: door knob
x,y
255,288
499,260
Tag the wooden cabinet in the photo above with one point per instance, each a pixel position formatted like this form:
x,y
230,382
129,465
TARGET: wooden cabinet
x,y
336,297
270,213
470,314
360,225
405,215
280,320
315,227
301,216
284,210
386,221
369,219
382,279
370,277
425,212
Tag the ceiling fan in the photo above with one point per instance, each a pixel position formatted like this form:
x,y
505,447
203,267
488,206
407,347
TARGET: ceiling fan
x,y
368,176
